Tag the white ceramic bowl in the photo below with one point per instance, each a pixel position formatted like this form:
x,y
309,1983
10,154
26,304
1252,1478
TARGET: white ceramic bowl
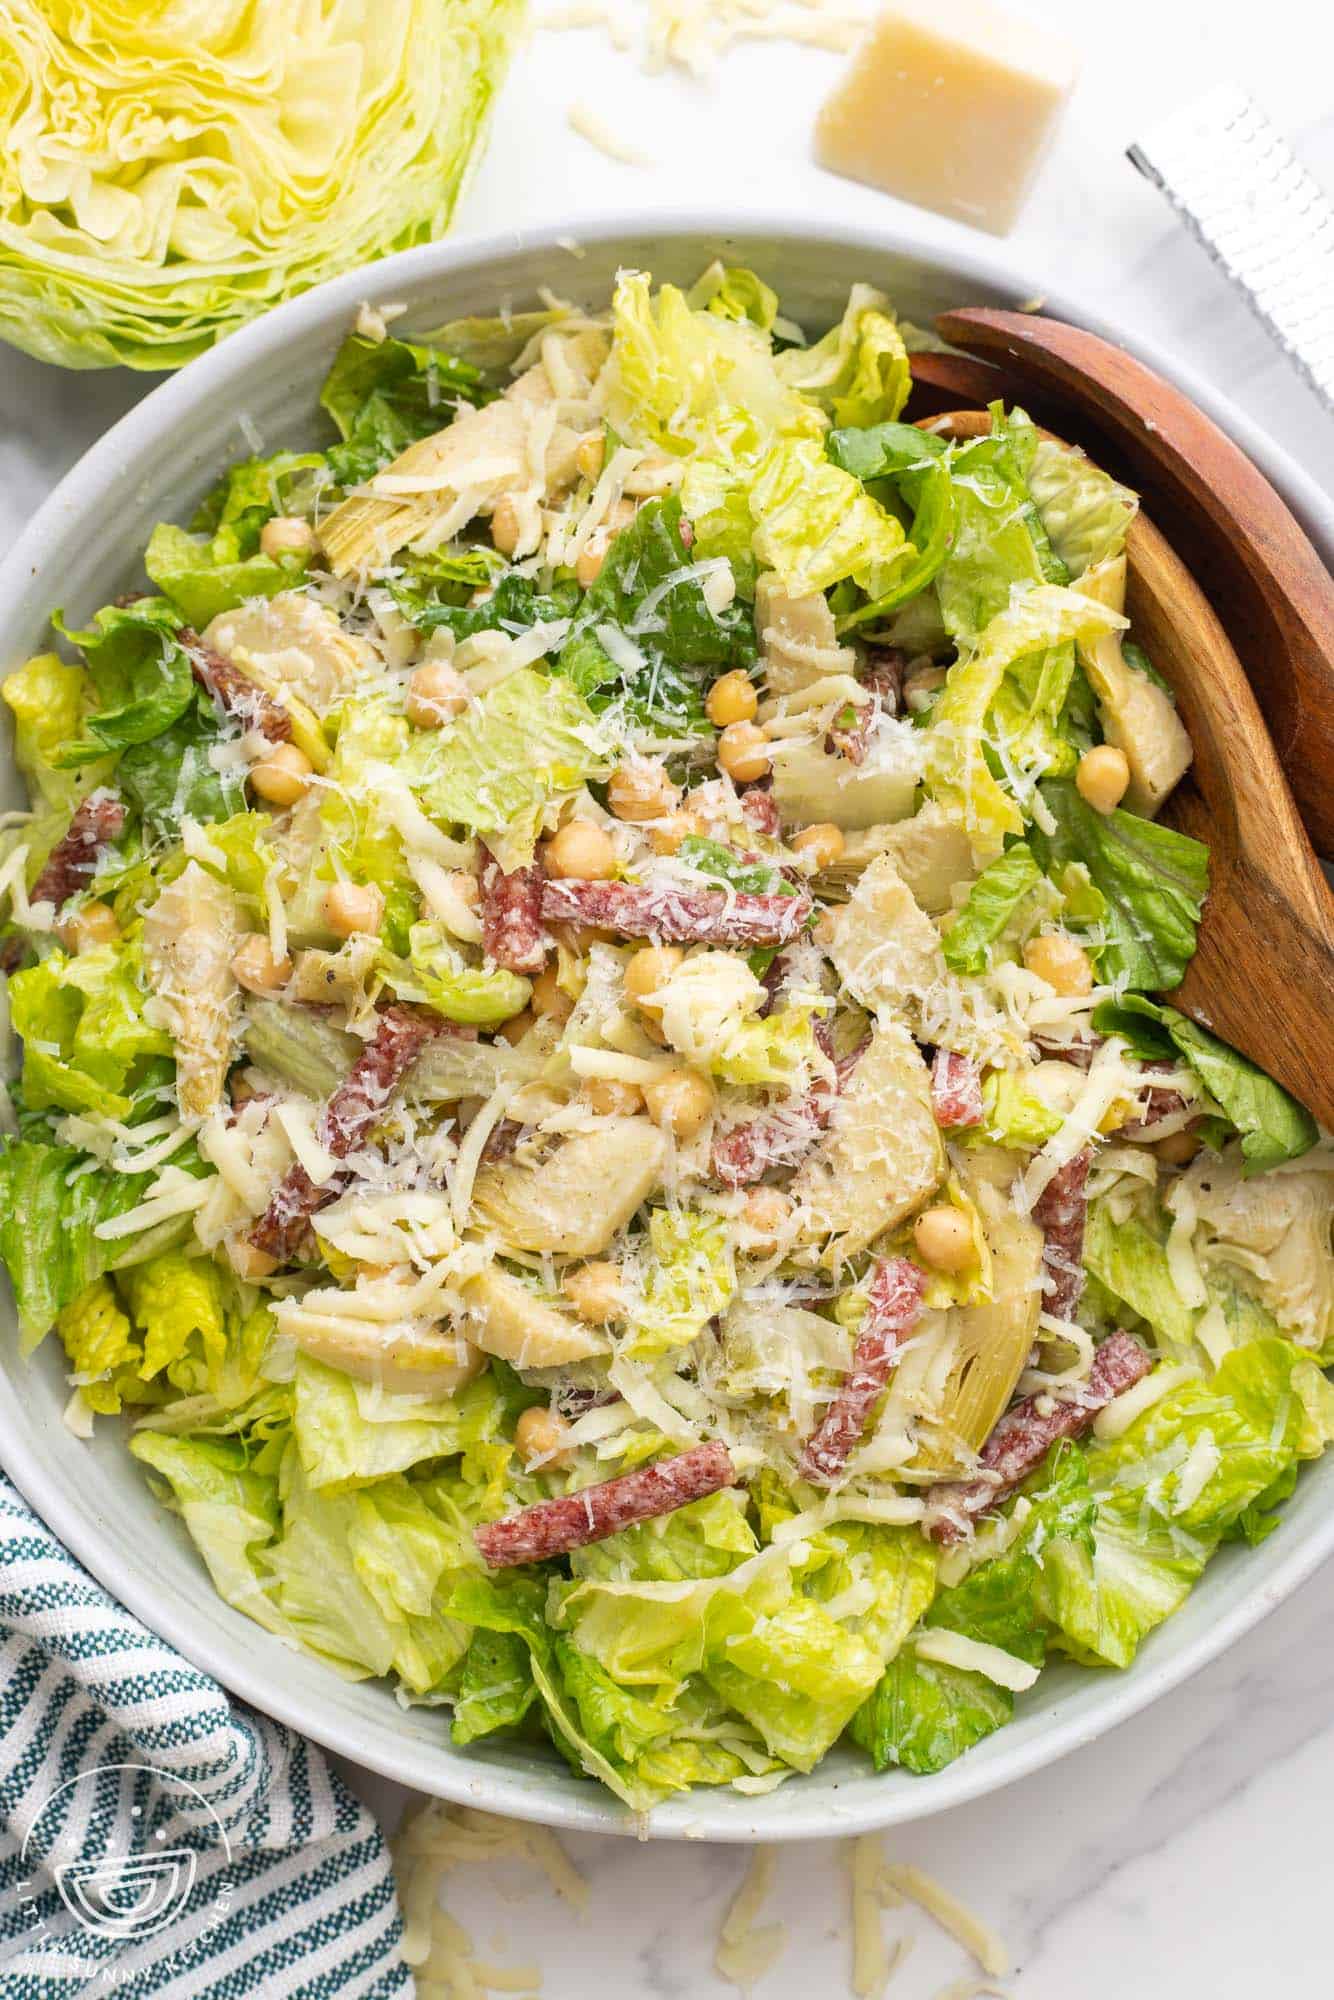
x,y
80,550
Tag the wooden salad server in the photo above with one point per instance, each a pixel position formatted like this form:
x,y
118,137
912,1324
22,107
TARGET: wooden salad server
x,y
1241,542
1263,973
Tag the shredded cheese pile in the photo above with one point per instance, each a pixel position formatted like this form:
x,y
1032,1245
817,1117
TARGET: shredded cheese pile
x,y
429,1846
693,36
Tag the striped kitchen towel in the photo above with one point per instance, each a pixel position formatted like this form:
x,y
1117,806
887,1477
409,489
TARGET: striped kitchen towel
x,y
157,1838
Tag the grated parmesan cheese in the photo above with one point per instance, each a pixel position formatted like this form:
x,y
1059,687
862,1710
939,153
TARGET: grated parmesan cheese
x,y
971,1932
952,1649
581,118
746,1951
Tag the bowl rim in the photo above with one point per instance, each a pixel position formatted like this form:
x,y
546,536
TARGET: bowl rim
x,y
227,1659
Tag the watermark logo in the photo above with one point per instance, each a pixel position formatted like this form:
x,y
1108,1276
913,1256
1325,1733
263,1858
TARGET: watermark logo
x,y
128,1850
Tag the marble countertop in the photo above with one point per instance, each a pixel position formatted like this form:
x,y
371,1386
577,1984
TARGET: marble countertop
x,y
1186,1854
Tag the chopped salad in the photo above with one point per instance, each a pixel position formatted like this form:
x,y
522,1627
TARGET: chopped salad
x,y
591,1081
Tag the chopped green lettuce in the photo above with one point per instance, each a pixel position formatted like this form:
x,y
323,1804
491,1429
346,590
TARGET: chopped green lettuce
x,y
85,1038
202,576
995,897
436,975
174,776
733,292
1153,882
859,371
48,698
528,742
1272,1125
1014,1115
348,1434
384,395
1130,1261
689,1277
140,672
1084,510
917,465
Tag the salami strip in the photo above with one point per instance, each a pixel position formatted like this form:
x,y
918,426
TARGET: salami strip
x,y
761,809
552,1527
956,1090
1059,1212
353,1111
1024,1436
97,819
849,735
895,1300
512,930
234,692
783,1135
681,916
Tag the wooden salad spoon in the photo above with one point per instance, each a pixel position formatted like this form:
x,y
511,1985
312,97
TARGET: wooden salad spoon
x,y
1263,971
1243,545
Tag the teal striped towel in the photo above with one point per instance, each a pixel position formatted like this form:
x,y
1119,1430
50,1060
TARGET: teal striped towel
x,y
157,1838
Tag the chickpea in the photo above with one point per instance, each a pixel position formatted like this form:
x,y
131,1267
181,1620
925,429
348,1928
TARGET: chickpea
x,y
648,971
581,850
594,1290
248,1261
94,924
921,686
591,454
731,699
766,1215
256,968
283,776
666,835
287,535
467,888
642,791
539,1438
1102,777
681,1100
944,1239
437,692
589,561
820,845
1178,1149
517,1025
350,907
609,1095
1061,962
549,998
505,525
743,752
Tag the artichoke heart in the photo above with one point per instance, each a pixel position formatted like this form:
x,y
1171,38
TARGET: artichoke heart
x,y
576,1197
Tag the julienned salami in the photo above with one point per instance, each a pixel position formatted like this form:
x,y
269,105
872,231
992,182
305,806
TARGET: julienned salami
x,y
781,1136
849,735
1059,1212
1024,1436
513,933
552,1527
353,1111
681,916
956,1090
234,692
99,818
894,1301
761,809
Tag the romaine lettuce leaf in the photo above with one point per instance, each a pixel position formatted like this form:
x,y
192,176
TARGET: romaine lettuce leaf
x,y
1014,1115
1131,1262
1153,881
496,1688
85,1038
348,1434
50,1207
958,772
1272,1125
435,974
140,672
203,576
923,1715
174,777
232,1512
384,395
859,371
816,525
651,592
733,292
528,742
48,697
992,902
917,463
252,491
688,1277
1084,510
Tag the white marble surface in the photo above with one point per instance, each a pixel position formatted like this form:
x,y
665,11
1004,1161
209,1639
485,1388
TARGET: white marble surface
x,y
1187,1854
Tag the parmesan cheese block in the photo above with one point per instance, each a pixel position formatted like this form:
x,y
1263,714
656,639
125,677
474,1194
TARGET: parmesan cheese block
x,y
950,104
